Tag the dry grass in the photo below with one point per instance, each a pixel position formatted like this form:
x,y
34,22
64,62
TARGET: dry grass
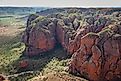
x,y
10,45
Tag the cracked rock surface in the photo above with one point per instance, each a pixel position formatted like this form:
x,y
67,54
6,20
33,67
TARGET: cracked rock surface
x,y
91,36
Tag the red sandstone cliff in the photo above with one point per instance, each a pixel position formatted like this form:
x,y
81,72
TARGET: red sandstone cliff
x,y
93,39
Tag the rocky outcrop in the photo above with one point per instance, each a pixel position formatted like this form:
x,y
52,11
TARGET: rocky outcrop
x,y
40,38
98,58
42,34
92,40
99,52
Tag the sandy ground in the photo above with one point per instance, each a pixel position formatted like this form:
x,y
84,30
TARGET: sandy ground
x,y
8,34
10,31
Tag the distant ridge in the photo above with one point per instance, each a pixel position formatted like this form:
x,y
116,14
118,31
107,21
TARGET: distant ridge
x,y
20,10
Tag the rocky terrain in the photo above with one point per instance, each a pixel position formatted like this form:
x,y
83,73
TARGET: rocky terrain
x,y
91,36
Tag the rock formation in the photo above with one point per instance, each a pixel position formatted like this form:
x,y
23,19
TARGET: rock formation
x,y
92,37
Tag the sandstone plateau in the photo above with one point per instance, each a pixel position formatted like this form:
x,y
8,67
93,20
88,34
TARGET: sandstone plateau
x,y
91,36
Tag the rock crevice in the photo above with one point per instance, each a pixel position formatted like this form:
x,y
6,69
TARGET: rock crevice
x,y
92,40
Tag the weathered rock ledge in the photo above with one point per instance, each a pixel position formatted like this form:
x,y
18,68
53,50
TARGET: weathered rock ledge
x,y
92,37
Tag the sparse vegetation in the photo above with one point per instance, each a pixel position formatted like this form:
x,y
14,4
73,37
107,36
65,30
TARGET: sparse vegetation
x,y
10,55
55,66
11,47
19,64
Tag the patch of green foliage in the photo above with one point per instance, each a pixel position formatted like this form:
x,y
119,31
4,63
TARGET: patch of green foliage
x,y
38,19
55,65
10,51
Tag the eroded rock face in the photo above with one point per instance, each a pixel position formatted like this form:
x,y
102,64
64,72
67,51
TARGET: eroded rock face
x,y
43,34
92,40
40,38
98,57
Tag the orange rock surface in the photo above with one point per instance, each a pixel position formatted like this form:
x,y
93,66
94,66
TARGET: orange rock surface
x,y
94,41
